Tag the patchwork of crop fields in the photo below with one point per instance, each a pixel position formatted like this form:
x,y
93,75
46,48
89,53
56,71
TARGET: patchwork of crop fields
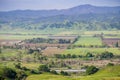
x,y
86,40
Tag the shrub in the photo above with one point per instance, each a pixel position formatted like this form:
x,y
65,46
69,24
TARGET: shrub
x,y
21,75
53,72
44,68
18,65
25,68
35,72
30,51
110,64
64,73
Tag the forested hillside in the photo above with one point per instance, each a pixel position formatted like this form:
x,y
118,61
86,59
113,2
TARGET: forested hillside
x,y
84,17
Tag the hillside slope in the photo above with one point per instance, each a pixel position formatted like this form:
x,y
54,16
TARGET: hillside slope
x,y
108,73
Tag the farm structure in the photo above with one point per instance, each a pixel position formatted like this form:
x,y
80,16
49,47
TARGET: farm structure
x,y
111,41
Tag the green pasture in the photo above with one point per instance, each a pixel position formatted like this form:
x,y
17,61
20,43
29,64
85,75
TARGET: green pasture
x,y
9,64
99,32
48,76
8,52
88,40
20,37
31,65
83,51
28,65
46,31
11,52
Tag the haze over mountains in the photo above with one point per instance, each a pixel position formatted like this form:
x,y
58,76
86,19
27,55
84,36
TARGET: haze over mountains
x,y
82,9
84,14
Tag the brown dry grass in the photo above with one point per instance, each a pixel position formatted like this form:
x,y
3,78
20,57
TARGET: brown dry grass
x,y
52,50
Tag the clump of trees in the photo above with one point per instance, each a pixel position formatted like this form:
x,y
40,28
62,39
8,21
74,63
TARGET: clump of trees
x,y
91,70
106,55
51,41
30,51
63,56
7,73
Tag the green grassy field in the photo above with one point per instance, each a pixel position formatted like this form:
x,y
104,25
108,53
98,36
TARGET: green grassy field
x,y
88,40
108,73
48,76
99,32
83,51
11,52
20,37
28,65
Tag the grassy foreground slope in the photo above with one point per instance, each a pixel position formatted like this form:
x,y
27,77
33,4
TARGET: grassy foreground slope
x,y
108,73
47,76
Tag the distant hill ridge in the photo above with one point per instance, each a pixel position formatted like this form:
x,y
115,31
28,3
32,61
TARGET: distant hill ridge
x,y
82,9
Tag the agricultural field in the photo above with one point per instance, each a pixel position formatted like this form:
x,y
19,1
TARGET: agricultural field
x,y
20,36
52,50
95,51
103,32
88,41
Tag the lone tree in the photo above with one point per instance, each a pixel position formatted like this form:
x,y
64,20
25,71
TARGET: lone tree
x,y
117,44
91,70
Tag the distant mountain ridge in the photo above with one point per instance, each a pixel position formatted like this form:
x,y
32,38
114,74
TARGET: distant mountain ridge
x,y
82,9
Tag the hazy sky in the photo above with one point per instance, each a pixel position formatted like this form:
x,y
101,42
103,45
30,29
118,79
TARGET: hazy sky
x,y
6,5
